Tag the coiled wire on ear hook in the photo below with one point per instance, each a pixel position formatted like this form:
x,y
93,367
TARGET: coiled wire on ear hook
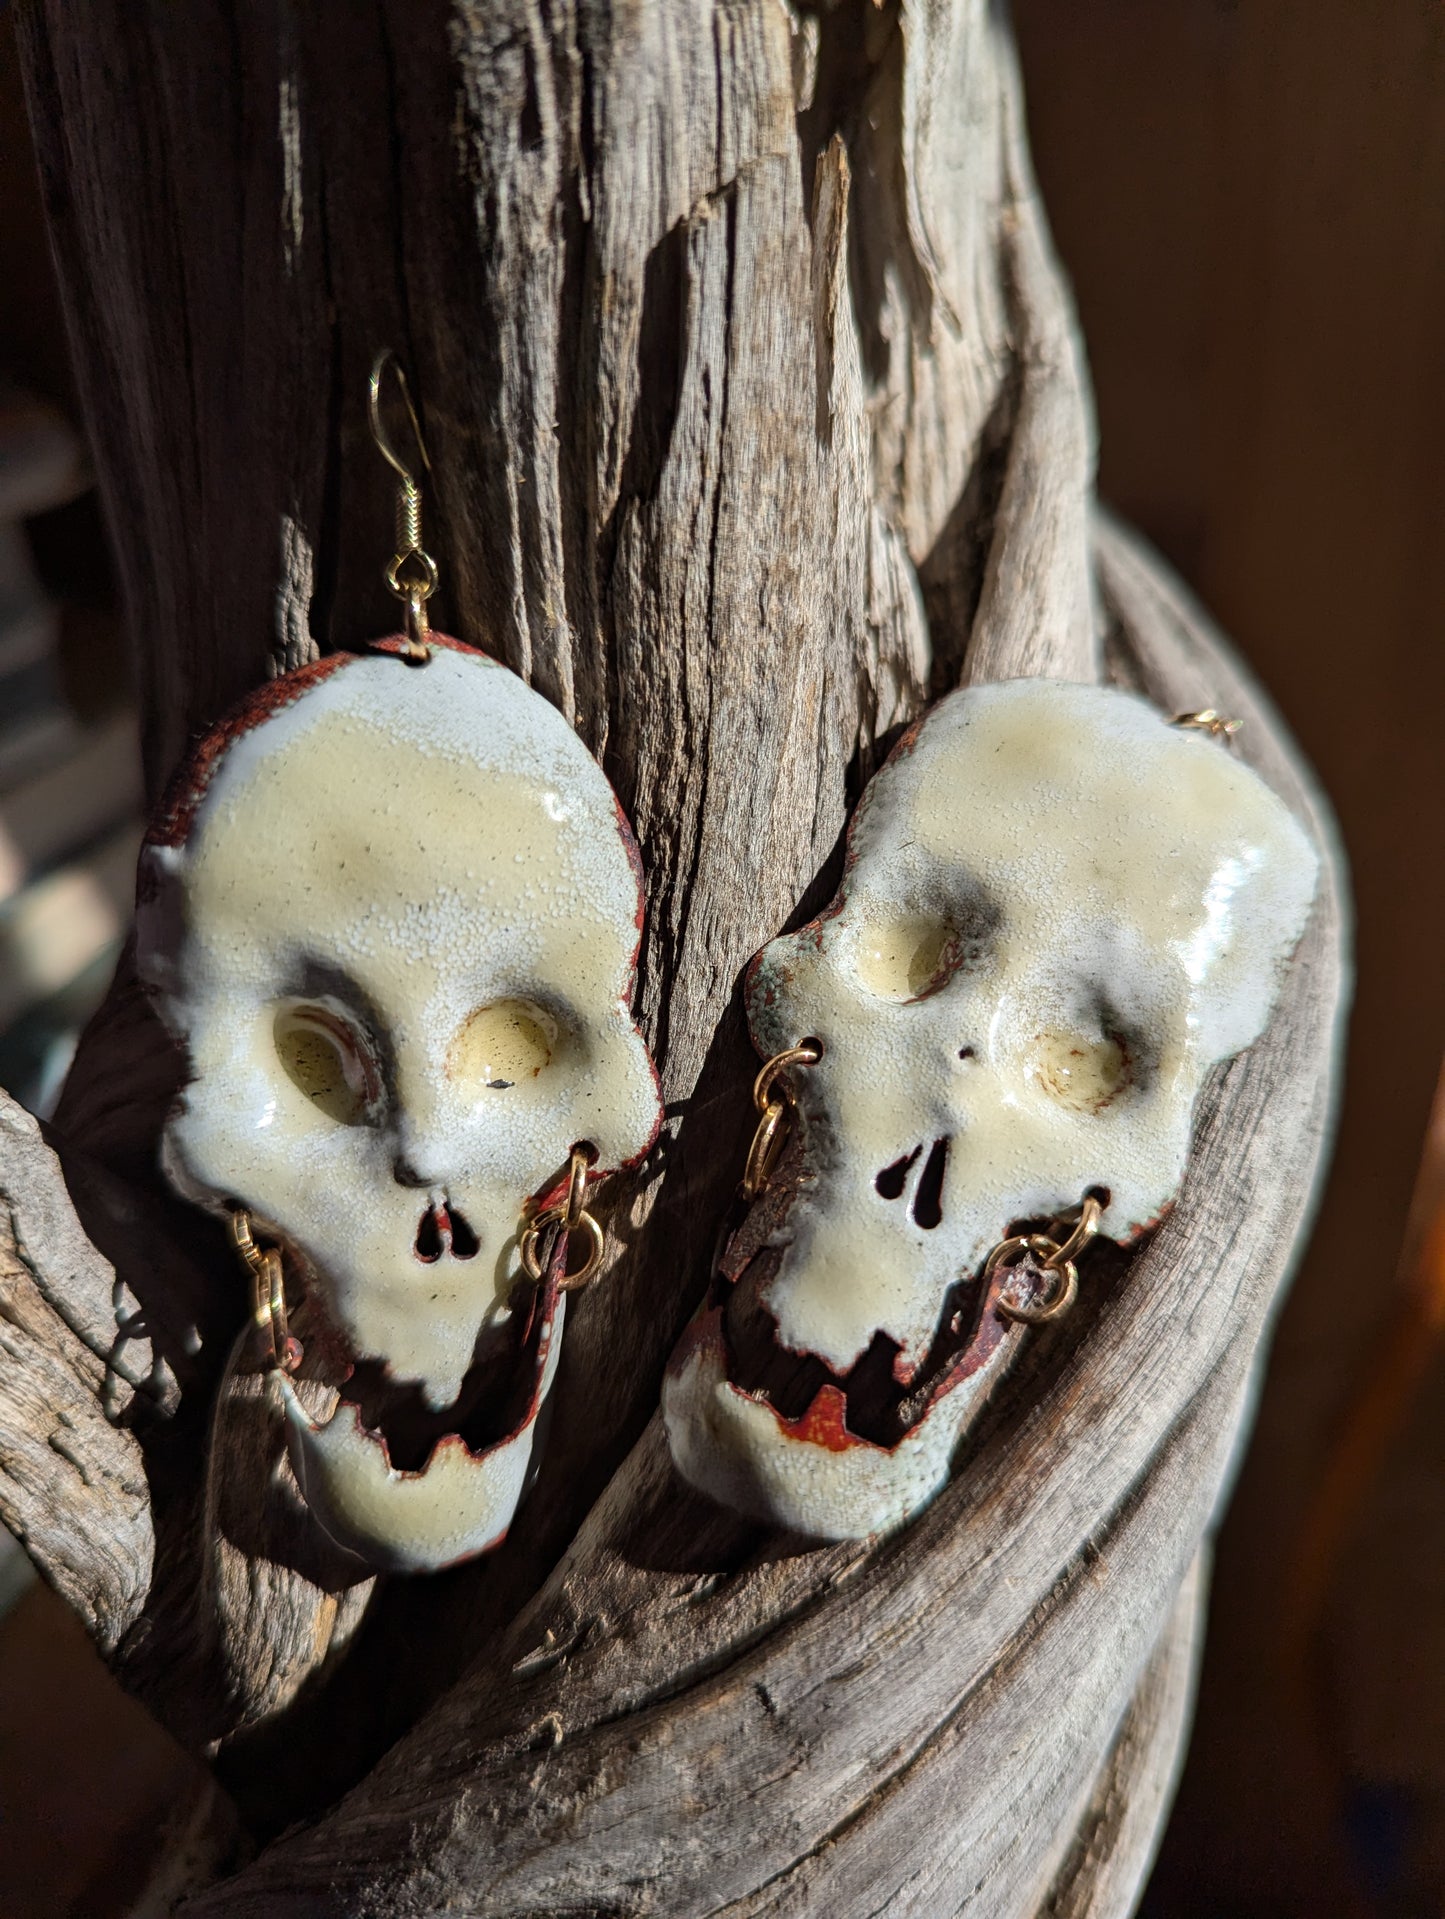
x,y
411,573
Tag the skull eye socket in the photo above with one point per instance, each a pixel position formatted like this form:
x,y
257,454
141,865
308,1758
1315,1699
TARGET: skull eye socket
x,y
327,1060
906,958
1081,1072
509,1043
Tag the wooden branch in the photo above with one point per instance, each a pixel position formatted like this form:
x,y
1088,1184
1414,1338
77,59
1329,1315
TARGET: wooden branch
x,y
816,1710
757,415
1119,1832
72,1479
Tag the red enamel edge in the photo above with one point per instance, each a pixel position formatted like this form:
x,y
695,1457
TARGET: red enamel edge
x,y
824,1422
171,823
174,817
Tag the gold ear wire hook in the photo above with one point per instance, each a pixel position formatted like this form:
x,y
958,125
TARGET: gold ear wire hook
x,y
412,572
386,358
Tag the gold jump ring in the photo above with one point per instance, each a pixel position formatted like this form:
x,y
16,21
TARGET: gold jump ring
x,y
571,1215
1090,1213
574,1282
773,1102
1061,1296
268,1294
1055,1257
791,1056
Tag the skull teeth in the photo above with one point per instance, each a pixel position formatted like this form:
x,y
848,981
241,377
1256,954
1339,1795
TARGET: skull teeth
x,y
496,1398
880,1398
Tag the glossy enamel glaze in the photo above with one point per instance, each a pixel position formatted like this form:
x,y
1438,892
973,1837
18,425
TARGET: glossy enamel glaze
x,y
394,917
1058,913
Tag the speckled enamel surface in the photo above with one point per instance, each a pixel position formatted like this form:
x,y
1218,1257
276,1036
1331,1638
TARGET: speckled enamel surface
x,y
1058,913
427,861
811,1475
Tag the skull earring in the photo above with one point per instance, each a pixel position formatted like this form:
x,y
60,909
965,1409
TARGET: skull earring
x,y
391,909
1058,912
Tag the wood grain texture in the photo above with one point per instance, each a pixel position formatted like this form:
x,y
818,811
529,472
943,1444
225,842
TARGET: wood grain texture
x,y
1119,1832
72,1478
758,416
279,1600
815,1710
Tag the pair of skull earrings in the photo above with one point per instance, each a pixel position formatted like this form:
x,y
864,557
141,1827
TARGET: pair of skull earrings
x,y
392,909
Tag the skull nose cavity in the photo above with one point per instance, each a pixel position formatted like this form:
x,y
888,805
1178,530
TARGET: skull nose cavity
x,y
464,1240
928,1199
891,1181
444,1230
429,1237
927,1206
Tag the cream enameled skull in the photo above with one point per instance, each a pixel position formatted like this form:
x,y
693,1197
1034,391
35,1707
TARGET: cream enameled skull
x,y
392,912
1058,912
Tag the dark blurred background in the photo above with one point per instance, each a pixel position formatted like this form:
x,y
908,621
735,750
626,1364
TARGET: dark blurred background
x,y
1250,202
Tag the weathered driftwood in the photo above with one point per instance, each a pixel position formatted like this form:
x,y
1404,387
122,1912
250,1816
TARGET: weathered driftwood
x,y
74,1478
757,414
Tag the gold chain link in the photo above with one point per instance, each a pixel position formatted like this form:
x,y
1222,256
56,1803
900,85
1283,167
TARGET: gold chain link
x,y
569,1215
268,1295
773,1106
1055,1256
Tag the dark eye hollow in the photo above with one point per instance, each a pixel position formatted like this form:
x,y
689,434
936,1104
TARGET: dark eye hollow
x,y
328,1059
